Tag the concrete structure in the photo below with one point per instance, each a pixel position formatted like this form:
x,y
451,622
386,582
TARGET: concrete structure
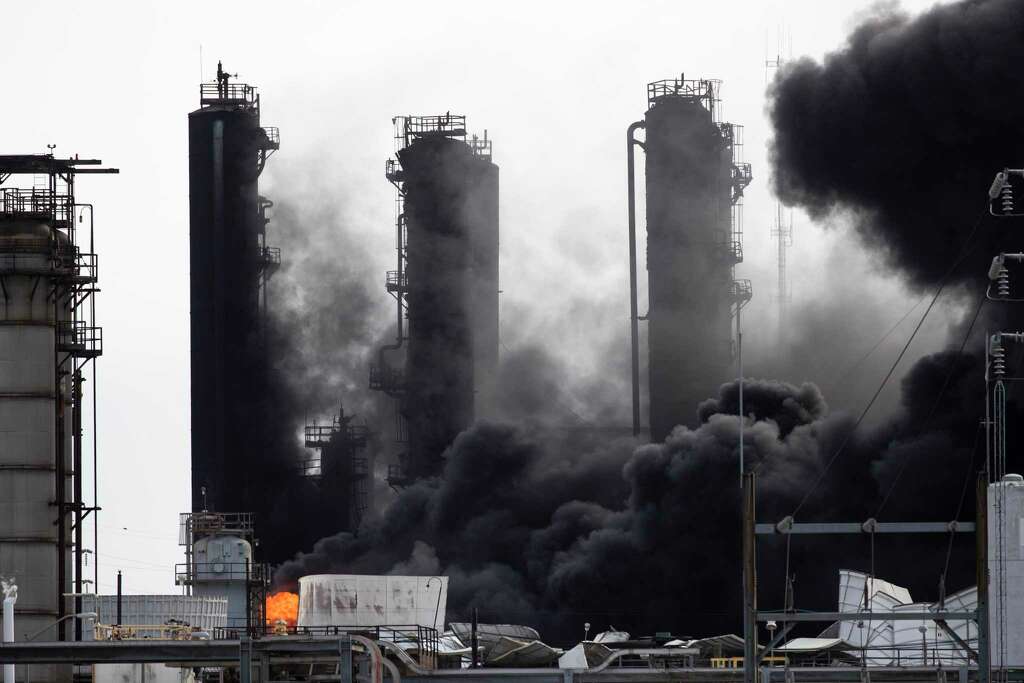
x,y
366,600
694,186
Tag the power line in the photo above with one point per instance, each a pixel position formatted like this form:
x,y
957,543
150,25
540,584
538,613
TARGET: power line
x,y
849,371
935,403
965,251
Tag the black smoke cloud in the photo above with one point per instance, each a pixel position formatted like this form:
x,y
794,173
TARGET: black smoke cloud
x,y
322,326
903,130
900,131
553,532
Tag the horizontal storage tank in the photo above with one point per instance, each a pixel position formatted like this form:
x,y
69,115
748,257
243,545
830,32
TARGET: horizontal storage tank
x,y
206,613
359,600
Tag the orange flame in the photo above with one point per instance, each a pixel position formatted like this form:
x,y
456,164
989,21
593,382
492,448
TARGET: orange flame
x,y
283,607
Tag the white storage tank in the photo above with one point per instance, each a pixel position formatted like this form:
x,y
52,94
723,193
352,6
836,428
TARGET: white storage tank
x,y
372,600
1006,570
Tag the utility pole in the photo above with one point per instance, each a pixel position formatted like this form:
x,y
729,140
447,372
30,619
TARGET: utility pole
x,y
749,580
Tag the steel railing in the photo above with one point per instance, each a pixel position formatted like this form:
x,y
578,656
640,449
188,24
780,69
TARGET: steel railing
x,y
36,201
386,378
79,339
394,283
188,573
234,93
705,91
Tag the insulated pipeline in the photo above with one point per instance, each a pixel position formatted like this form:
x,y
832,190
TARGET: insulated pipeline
x,y
634,321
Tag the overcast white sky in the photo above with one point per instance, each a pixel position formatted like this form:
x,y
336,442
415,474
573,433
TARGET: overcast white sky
x,y
555,84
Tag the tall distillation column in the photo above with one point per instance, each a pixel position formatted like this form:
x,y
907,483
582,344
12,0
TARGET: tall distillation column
x,y
229,265
694,239
446,286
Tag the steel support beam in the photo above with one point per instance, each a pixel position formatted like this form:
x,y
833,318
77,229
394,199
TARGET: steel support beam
x,y
225,652
787,526
114,652
774,643
866,616
749,579
971,653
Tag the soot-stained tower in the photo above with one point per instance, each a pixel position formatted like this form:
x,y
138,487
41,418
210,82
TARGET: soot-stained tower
x,y
230,264
446,287
694,182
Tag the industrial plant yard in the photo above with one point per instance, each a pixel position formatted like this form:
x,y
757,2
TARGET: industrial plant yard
x,y
540,343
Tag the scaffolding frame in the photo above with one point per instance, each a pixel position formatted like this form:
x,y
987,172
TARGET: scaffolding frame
x,y
78,341
347,440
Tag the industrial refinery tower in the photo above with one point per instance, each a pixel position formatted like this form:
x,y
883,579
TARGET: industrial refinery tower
x,y
445,286
341,467
230,265
695,181
48,336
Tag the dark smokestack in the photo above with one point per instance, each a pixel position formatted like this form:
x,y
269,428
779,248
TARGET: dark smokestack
x,y
692,246
227,150
450,194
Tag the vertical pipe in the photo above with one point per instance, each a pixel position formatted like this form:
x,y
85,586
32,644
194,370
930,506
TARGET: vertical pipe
x,y
988,411
248,599
473,639
76,431
10,597
634,321
61,471
739,354
982,570
118,623
749,582
218,298
95,469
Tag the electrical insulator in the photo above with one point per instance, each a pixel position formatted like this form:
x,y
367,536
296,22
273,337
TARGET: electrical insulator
x,y
1006,198
1003,283
998,356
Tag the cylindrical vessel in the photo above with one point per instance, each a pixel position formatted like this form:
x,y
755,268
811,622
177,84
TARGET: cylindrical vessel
x,y
689,259
451,205
224,267
222,567
35,425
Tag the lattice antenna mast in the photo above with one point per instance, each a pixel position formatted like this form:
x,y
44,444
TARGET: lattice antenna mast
x,y
781,229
